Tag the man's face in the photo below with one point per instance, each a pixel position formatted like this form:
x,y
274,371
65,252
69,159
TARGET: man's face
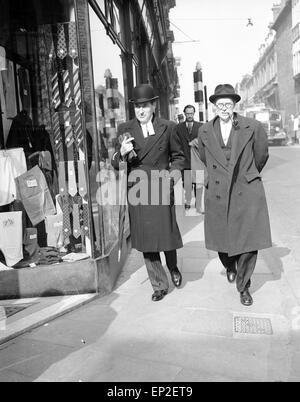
x,y
189,114
144,111
224,108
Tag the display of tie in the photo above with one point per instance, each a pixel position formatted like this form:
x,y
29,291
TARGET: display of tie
x,y
61,55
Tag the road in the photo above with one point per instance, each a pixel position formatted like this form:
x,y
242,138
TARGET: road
x,y
196,333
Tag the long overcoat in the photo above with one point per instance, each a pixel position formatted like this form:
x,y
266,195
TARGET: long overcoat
x,y
153,226
236,214
186,138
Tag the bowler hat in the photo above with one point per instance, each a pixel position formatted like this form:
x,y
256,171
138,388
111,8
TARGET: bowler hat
x,y
143,93
224,91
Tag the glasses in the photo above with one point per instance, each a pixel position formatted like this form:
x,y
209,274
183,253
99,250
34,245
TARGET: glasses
x,y
221,105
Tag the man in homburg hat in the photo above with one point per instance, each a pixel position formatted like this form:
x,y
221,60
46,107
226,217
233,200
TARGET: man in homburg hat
x,y
235,150
150,146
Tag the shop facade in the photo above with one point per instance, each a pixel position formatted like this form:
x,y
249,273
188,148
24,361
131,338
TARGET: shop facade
x,y
67,69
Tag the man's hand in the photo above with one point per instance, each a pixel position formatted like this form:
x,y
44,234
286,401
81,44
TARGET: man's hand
x,y
126,146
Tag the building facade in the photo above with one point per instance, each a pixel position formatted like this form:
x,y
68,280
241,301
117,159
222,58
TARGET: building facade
x,y
274,79
67,70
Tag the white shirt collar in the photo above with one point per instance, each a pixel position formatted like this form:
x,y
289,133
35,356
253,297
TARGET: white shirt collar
x,y
148,129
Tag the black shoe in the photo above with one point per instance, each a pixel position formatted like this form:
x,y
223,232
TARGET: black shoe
x,y
246,298
176,277
187,207
231,275
159,295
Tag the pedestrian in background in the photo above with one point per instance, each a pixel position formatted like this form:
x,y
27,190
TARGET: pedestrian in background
x,y
187,132
153,226
234,150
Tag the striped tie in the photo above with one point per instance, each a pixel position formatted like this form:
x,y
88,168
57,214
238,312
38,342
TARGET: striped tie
x,y
67,88
78,133
76,87
57,134
69,137
55,91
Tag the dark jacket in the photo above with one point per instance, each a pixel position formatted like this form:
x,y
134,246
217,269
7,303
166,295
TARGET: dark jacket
x,y
153,227
186,138
236,213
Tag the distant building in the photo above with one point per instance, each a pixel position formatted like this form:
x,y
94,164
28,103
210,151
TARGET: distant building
x,y
275,79
296,49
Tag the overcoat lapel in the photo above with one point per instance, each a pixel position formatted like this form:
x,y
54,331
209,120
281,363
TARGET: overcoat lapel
x,y
209,138
241,136
138,134
159,129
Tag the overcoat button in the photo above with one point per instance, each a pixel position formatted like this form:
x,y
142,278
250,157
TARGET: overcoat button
x,y
215,166
218,197
217,182
240,193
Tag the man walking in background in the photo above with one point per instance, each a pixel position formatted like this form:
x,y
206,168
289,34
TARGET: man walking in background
x,y
187,132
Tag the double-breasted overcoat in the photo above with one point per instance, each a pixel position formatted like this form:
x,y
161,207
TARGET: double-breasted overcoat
x,y
153,224
236,214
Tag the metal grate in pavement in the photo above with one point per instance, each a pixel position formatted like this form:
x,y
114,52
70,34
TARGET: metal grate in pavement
x,y
253,325
14,309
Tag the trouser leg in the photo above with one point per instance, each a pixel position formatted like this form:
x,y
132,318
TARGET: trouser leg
x,y
229,263
156,272
199,199
188,186
245,267
171,259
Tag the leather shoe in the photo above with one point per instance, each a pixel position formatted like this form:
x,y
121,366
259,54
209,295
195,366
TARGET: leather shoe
x,y
187,207
246,298
159,295
176,277
231,275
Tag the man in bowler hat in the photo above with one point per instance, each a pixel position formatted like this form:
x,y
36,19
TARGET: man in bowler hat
x,y
234,150
150,145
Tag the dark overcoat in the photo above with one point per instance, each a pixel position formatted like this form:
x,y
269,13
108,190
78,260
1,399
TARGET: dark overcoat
x,y
186,138
236,214
153,227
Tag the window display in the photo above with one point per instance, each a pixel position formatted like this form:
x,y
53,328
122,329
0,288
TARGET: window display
x,y
44,196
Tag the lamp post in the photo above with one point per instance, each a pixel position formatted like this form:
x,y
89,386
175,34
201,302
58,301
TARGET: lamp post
x,y
198,91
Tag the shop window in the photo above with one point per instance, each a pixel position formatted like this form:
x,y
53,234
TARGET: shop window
x,y
44,196
110,112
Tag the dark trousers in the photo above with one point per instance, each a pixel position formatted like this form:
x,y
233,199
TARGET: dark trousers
x,y
244,264
188,186
156,272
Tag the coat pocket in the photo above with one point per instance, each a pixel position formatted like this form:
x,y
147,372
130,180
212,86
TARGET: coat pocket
x,y
250,176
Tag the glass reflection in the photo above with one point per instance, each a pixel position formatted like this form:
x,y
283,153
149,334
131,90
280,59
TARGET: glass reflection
x,y
110,112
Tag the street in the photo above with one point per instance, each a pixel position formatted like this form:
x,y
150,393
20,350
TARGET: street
x,y
199,332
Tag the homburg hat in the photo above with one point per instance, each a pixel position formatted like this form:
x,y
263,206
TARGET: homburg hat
x,y
224,91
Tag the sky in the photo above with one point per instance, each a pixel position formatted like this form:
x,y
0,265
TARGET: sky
x,y
226,48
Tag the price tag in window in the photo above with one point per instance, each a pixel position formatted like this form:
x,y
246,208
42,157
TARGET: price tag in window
x,y
32,183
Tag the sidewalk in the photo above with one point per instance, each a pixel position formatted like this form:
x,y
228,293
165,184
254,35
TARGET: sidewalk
x,y
199,332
